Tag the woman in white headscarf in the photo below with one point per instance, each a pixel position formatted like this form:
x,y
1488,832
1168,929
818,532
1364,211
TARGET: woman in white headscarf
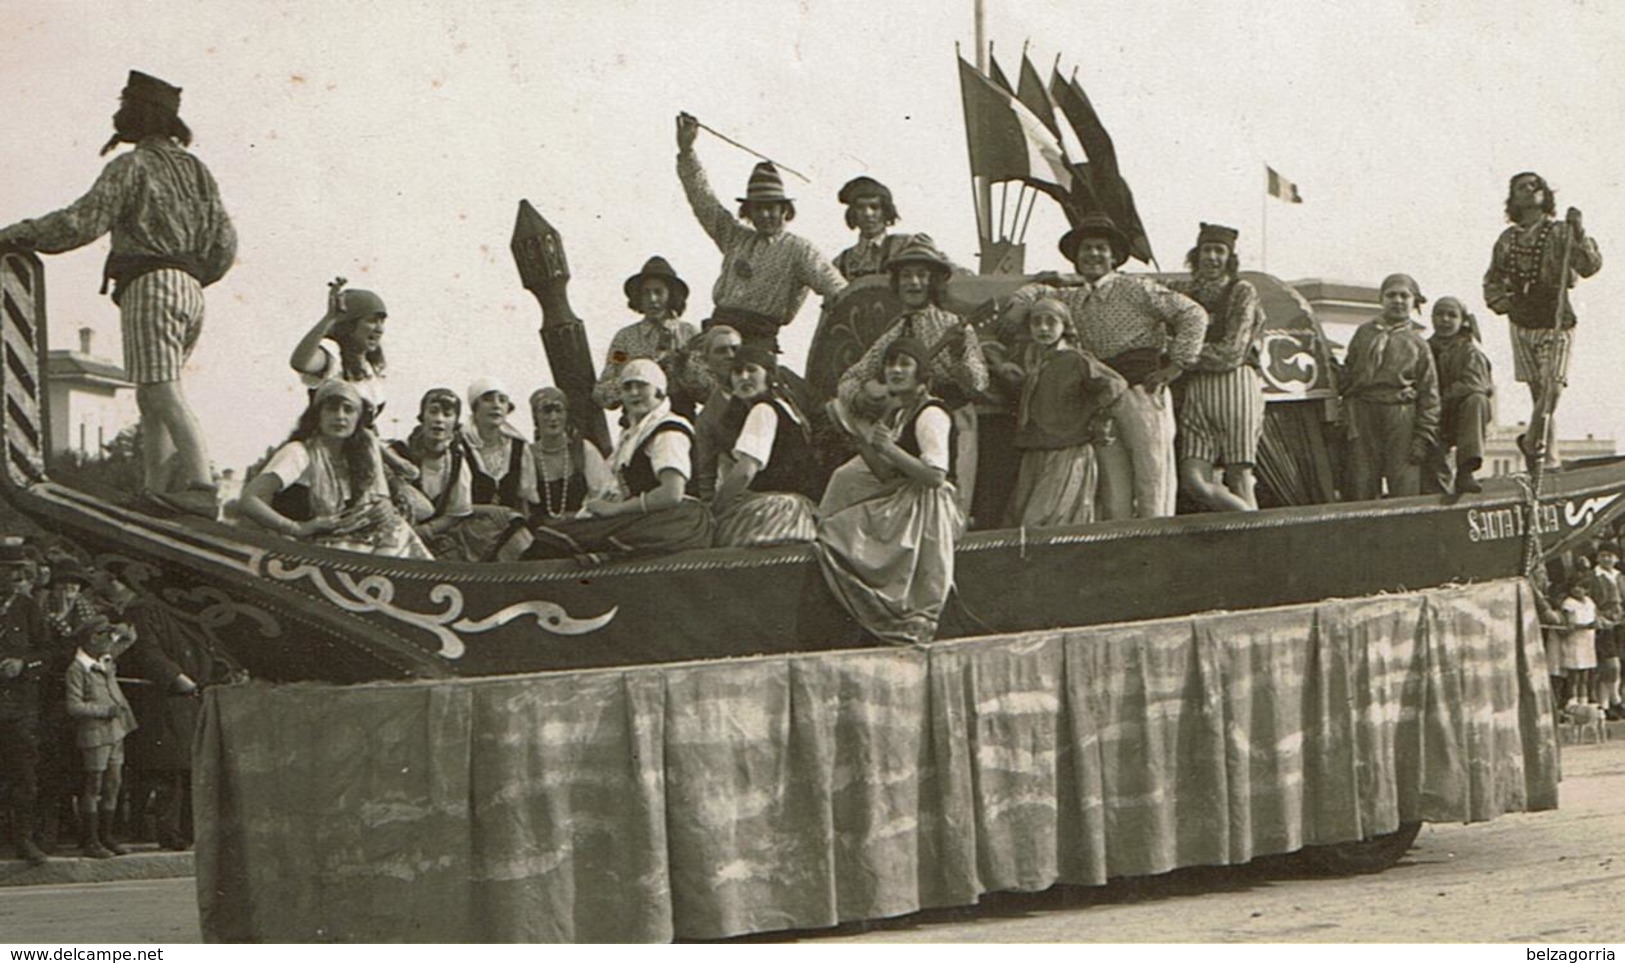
x,y
327,484
648,512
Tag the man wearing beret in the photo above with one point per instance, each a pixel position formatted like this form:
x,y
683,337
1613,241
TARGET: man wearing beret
x,y
171,239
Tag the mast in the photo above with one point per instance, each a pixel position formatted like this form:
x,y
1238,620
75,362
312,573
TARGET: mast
x,y
538,250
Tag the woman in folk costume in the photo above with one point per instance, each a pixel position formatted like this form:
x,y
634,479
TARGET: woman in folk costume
x,y
1391,397
869,211
765,497
1465,387
568,467
955,367
1065,405
504,468
660,335
1220,398
442,495
648,512
327,484
889,555
347,344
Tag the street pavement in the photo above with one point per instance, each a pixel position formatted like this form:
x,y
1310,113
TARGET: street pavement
x,y
1544,878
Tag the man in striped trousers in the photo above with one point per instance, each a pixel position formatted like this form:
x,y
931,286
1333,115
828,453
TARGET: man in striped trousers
x,y
171,239
1221,396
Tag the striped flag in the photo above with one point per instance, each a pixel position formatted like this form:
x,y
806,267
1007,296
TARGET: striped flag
x,y
1007,140
1279,186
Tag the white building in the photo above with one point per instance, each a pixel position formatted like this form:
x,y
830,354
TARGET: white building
x,y
90,400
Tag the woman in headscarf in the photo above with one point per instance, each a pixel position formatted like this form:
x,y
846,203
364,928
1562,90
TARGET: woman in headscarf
x,y
441,498
765,497
1465,387
648,512
1065,410
1391,397
504,468
326,484
888,555
568,467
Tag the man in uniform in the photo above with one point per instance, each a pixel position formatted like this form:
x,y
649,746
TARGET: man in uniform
x,y
24,652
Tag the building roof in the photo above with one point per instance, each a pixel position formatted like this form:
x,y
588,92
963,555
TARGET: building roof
x,y
1321,289
62,365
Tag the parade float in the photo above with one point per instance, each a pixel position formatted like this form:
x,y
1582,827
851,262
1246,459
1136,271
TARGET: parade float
x,y
701,744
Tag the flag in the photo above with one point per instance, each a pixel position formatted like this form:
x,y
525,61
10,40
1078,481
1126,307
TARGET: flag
x,y
1108,188
1279,186
996,74
1007,141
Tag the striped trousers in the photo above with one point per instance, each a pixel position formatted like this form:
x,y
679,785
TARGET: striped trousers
x,y
160,317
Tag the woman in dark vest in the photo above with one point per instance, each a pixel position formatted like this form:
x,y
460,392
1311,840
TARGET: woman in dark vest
x,y
648,512
504,469
765,497
886,547
568,467
441,496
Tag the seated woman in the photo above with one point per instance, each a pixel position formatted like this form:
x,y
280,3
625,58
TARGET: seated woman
x,y
1065,410
327,485
504,468
765,495
442,493
568,467
891,518
648,513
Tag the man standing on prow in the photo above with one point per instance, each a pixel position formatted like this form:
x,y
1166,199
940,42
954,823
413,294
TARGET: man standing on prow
x,y
171,239
1143,331
1534,263
766,270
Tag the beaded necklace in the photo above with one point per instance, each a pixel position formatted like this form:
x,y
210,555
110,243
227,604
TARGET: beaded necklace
x,y
554,511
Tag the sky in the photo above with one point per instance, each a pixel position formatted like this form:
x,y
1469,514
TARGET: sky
x,y
390,143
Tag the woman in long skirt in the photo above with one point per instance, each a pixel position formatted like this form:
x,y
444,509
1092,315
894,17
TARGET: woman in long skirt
x,y
889,556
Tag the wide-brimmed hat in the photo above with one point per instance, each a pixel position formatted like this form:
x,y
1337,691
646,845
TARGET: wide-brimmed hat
x,y
480,387
644,370
13,552
765,184
920,249
863,186
68,570
1217,234
656,267
147,89
360,304
1096,225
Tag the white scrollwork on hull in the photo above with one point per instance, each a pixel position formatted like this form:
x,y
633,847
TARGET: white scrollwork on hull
x,y
376,593
1581,516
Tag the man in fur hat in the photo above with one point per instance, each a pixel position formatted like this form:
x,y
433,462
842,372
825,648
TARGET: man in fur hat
x,y
171,239
766,270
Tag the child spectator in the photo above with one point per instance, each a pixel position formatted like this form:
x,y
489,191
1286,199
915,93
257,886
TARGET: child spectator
x,y
1065,410
104,719
1606,586
1579,639
1465,387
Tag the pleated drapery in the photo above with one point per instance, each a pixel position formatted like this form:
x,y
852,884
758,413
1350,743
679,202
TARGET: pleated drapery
x,y
711,799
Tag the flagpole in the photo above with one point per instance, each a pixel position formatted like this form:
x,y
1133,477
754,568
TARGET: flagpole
x,y
1264,232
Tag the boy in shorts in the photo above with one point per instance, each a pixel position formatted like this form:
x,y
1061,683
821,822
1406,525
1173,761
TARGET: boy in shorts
x,y
103,719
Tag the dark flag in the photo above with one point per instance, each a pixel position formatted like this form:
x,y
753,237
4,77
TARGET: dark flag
x,y
1110,189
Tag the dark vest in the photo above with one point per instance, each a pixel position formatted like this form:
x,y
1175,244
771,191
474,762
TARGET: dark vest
x,y
639,476
489,491
569,491
791,465
909,441
454,452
